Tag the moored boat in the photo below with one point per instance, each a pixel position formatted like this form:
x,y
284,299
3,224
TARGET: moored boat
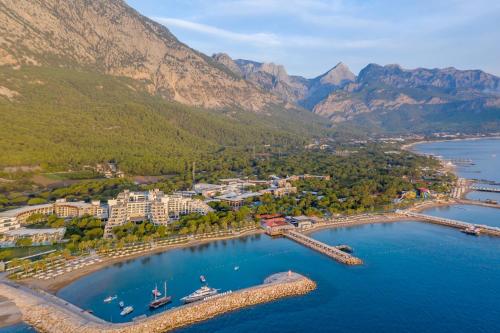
x,y
199,294
126,310
471,231
203,279
157,302
109,299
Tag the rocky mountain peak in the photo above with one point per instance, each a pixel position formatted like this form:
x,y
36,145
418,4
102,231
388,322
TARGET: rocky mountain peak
x,y
338,75
226,60
278,71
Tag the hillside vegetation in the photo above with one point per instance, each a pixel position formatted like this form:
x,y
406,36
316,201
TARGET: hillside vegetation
x,y
65,118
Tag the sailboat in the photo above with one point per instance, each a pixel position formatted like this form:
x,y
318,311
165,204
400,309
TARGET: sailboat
x,y
157,302
156,292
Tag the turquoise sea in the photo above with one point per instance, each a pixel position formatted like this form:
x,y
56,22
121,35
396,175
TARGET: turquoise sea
x,y
416,277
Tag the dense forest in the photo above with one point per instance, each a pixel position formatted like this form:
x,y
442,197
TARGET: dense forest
x,y
60,119
368,171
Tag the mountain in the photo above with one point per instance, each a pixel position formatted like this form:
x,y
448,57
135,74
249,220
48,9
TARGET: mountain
x,y
385,98
111,37
291,88
391,98
82,82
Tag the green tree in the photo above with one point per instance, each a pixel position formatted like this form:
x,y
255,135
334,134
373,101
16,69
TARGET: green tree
x,y
24,242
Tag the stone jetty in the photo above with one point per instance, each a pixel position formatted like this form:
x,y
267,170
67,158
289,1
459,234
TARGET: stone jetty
x,y
330,251
50,314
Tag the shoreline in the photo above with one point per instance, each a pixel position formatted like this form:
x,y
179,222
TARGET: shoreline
x,y
409,146
53,286
56,284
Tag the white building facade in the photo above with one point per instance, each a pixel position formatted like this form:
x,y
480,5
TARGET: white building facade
x,y
154,206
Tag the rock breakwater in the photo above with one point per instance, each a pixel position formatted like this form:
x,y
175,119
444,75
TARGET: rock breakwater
x,y
50,314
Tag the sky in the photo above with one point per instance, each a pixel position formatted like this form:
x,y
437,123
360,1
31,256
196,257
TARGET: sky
x,y
309,37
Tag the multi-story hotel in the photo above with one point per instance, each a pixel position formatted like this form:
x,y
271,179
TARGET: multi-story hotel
x,y
154,206
15,218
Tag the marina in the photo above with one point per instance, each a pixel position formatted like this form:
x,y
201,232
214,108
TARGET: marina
x,y
56,318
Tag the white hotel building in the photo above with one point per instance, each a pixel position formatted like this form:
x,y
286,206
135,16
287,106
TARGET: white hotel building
x,y
154,206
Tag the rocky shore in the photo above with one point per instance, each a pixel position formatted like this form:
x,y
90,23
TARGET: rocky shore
x,y
52,315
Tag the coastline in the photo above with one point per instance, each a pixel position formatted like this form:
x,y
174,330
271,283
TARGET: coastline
x,y
54,285
409,146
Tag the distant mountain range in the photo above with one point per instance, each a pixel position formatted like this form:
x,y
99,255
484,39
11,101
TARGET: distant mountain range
x,y
294,89
385,98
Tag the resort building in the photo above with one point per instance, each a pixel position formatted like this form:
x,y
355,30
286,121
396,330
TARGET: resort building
x,y
8,223
15,218
22,214
275,226
236,200
63,208
300,222
154,206
37,236
208,190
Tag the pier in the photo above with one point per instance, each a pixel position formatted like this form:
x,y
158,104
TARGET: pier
x,y
481,228
481,188
333,252
50,314
478,203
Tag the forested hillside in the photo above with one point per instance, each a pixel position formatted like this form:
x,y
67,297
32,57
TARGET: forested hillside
x,y
65,118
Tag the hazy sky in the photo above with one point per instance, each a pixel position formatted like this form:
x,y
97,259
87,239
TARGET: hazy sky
x,y
311,36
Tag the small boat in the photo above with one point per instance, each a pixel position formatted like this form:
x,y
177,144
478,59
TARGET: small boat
x,y
156,292
126,310
236,268
121,304
202,279
157,302
471,231
199,294
109,299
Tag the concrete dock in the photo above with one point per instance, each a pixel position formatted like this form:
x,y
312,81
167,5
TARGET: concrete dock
x,y
331,251
49,314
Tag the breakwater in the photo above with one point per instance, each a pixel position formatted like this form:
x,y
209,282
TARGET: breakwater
x,y
49,314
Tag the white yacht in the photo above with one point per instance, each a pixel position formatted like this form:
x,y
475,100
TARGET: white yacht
x,y
199,294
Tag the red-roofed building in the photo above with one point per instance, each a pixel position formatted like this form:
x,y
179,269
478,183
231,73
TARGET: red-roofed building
x,y
423,192
275,226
